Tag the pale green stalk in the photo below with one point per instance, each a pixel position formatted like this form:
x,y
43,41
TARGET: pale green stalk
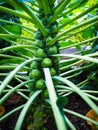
x,y
79,92
86,58
25,110
79,16
12,74
80,116
58,115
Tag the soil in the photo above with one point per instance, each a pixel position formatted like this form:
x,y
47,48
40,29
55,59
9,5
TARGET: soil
x,y
75,103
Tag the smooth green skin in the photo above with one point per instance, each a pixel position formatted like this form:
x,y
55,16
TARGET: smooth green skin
x,y
52,50
40,53
40,84
34,65
46,63
45,94
52,71
35,74
38,43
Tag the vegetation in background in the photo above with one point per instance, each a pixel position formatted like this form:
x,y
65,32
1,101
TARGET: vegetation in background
x,y
44,77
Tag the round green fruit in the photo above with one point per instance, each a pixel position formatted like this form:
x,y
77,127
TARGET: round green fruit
x,y
45,94
31,85
40,53
35,74
38,43
48,41
46,63
52,71
52,50
34,65
40,84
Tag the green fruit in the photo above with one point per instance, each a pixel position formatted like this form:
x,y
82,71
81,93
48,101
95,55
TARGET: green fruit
x,y
35,74
52,50
46,62
45,94
31,85
38,43
52,71
40,84
48,41
40,53
34,65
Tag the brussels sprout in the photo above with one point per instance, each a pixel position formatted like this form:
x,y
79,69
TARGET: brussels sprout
x,y
40,84
35,74
46,62
52,71
40,53
34,65
52,50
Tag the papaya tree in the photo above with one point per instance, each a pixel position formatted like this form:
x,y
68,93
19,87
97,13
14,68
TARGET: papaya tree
x,y
45,76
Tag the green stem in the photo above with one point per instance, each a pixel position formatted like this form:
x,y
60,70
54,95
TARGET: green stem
x,y
59,10
71,9
13,57
85,28
73,28
30,12
78,16
13,12
87,58
10,113
23,27
79,92
25,110
79,43
46,7
8,94
16,36
59,117
15,47
12,74
81,116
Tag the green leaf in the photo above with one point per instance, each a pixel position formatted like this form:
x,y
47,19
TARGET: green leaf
x,y
62,101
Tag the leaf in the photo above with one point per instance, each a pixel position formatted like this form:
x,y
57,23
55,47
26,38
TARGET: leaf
x,y
62,101
2,110
13,29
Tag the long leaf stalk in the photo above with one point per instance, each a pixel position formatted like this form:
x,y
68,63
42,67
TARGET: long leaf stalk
x,y
73,28
16,47
11,112
86,58
77,69
79,16
12,74
46,7
16,36
79,92
25,109
12,57
73,64
8,32
59,118
13,12
79,43
30,30
6,96
80,116
59,9
71,126
79,31
31,14
71,9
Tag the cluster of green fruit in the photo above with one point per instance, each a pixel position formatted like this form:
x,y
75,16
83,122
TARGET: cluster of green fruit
x,y
44,51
